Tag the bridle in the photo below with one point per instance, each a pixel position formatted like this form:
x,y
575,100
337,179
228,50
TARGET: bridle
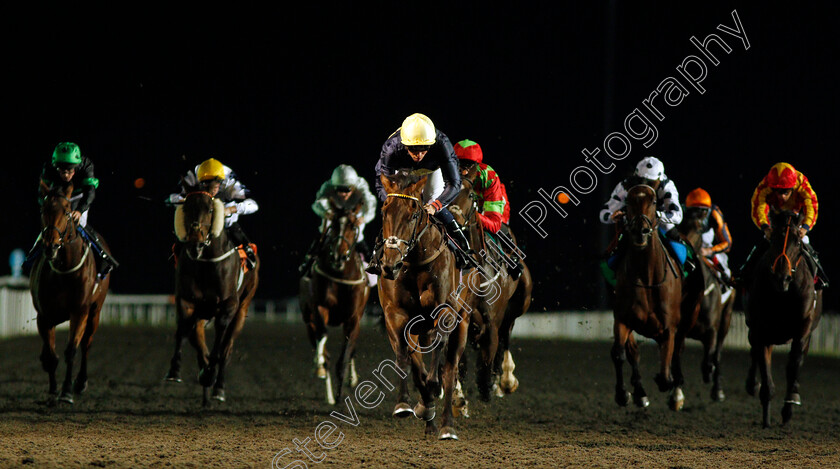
x,y
208,234
63,238
647,228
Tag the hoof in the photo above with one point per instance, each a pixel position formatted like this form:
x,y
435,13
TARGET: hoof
x,y
718,395
447,433
641,402
793,398
79,387
321,372
510,386
219,395
461,411
207,376
173,377
677,400
66,397
787,413
424,413
497,391
662,383
403,410
622,398
753,388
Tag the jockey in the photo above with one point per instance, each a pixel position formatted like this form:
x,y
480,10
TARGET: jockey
x,y
715,233
784,188
221,182
650,171
344,190
494,209
418,146
69,166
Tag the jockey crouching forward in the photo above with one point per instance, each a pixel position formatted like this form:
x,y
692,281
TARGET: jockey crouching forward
x,y
344,191
714,233
69,166
493,203
220,182
784,188
419,147
650,171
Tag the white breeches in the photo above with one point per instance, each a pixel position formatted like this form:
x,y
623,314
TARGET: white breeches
x,y
434,186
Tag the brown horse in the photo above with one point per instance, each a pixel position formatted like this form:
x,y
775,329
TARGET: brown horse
x,y
419,277
334,293
782,307
496,299
210,283
649,292
715,308
64,287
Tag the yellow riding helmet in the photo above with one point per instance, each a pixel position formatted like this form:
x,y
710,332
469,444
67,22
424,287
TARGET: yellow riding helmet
x,y
417,129
210,170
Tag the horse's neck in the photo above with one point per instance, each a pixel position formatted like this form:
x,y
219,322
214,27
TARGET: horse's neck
x,y
647,263
219,244
429,241
71,252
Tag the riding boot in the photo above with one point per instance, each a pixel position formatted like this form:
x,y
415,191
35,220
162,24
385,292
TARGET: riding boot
x,y
463,252
250,256
814,263
239,238
33,254
106,263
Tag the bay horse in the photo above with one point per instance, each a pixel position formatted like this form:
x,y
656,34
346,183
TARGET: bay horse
x,y
418,278
210,284
64,286
334,293
496,300
649,294
782,307
715,308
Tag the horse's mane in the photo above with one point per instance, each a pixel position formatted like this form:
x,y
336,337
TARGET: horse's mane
x,y
782,217
404,178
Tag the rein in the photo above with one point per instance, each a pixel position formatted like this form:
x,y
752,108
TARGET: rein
x,y
78,266
788,264
392,242
342,281
215,259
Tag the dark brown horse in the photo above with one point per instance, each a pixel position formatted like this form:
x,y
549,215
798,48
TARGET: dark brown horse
x,y
420,299
782,307
334,293
715,308
496,299
649,293
64,287
210,284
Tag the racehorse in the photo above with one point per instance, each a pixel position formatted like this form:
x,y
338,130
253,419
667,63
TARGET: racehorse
x,y
782,306
210,283
64,286
494,310
649,292
418,278
715,308
334,293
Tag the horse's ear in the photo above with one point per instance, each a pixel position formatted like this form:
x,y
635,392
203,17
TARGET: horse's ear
x,y
416,187
389,185
185,184
43,189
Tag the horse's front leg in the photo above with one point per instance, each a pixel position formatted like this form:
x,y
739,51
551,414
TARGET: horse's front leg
x,y
762,356
395,322
640,397
677,399
186,322
342,367
454,350
49,359
226,317
80,385
619,355
663,379
794,366
231,332
487,354
77,330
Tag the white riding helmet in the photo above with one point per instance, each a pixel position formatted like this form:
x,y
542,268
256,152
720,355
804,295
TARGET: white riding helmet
x,y
650,168
344,175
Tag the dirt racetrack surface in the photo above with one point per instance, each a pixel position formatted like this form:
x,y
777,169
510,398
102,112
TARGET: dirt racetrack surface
x,y
563,414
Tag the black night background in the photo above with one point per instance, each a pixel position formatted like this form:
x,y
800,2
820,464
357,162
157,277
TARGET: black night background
x,y
286,94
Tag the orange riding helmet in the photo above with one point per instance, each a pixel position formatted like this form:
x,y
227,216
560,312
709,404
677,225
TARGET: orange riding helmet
x,y
698,198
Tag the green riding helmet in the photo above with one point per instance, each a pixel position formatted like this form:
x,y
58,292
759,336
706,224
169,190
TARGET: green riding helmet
x,y
66,153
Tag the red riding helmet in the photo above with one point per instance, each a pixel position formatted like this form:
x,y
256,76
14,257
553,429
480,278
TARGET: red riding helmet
x,y
781,176
468,150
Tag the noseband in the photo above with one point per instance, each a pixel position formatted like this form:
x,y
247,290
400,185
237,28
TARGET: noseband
x,y
393,242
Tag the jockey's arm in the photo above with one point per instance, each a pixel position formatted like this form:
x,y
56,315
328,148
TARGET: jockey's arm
x,y
722,236
322,203
449,171
809,202
615,204
759,206
669,201
368,211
